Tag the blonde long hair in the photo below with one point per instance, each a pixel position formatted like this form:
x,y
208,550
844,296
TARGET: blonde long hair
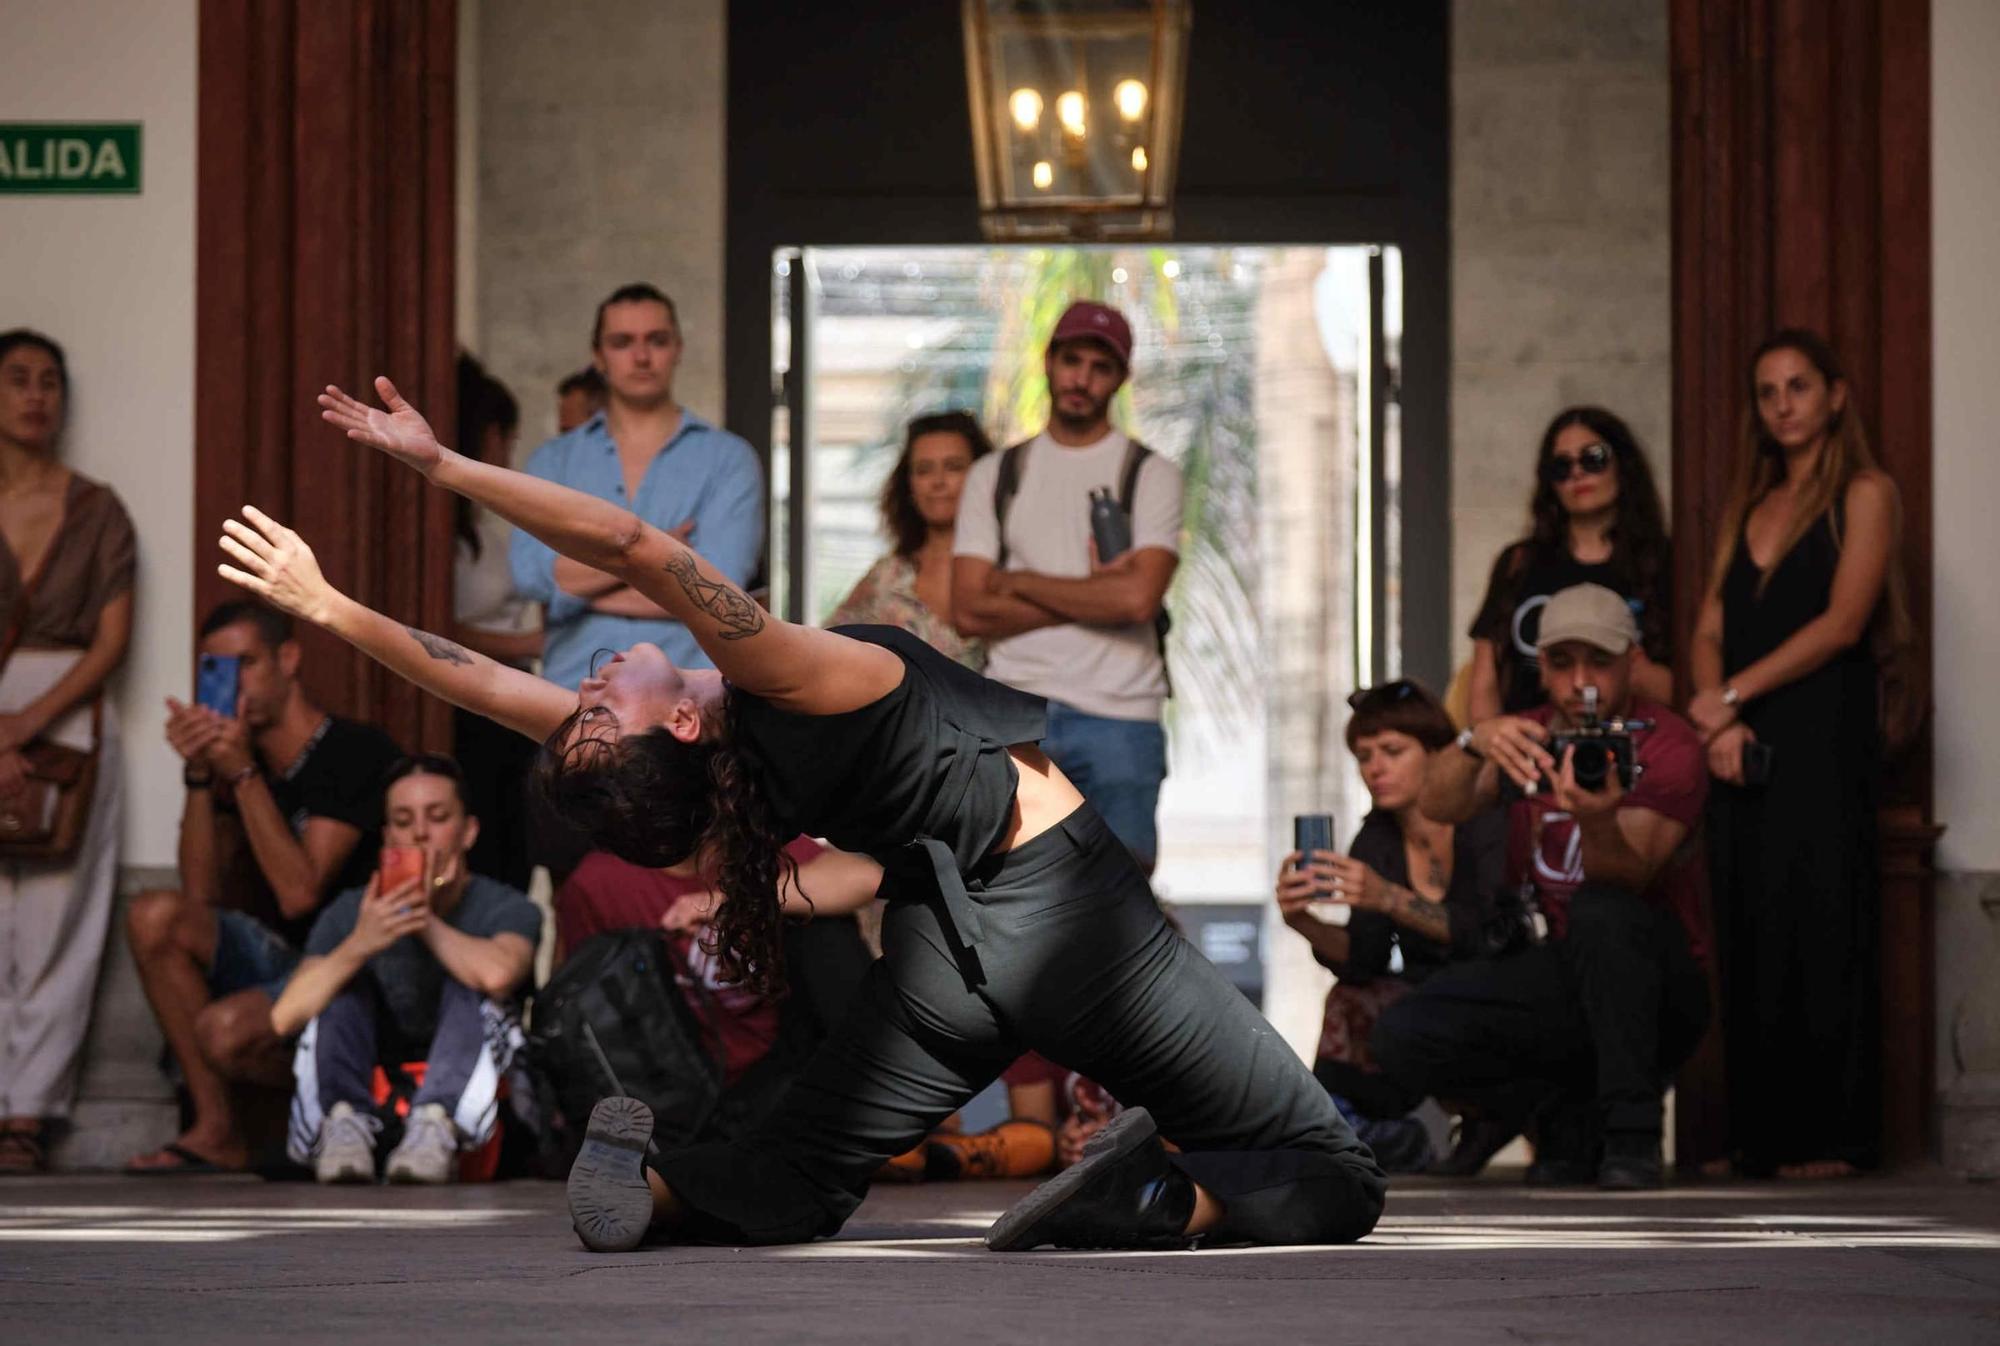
x,y
1760,468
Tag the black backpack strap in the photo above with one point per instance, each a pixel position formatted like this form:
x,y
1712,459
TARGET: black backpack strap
x,y
1005,487
1136,455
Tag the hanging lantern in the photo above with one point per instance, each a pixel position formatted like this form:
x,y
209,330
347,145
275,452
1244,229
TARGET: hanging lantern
x,y
1076,115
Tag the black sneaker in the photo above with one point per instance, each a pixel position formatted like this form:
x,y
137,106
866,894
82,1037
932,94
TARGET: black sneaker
x,y
1123,1193
1558,1171
1632,1163
610,1205
1476,1140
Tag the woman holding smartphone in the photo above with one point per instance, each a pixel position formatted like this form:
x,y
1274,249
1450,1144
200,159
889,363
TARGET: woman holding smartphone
x,y
1418,894
1805,595
66,576
1016,920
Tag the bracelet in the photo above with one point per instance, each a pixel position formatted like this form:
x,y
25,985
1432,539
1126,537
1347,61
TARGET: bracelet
x,y
238,777
1730,696
1466,746
197,780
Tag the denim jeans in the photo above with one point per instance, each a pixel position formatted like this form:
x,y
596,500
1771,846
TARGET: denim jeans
x,y
1118,765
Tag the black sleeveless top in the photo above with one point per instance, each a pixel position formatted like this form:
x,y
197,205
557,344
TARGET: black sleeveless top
x,y
919,779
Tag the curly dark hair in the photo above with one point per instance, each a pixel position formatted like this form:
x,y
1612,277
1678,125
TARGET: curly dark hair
x,y
654,800
901,519
1641,553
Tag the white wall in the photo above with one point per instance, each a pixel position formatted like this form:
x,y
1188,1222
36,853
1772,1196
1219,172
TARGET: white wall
x,y
112,279
1965,200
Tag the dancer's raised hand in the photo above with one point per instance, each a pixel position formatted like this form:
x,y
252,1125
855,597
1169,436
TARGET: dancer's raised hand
x,y
277,566
401,431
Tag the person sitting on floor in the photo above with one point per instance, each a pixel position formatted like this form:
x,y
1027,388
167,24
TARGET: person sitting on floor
x,y
759,1039
1418,895
423,966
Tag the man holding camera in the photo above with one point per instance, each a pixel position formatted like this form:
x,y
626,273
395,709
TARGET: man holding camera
x,y
1593,995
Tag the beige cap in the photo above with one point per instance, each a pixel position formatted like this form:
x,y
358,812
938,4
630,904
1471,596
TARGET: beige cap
x,y
1592,614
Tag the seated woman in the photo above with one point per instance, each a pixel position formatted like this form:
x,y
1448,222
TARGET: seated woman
x,y
1418,894
1016,920
422,969
911,586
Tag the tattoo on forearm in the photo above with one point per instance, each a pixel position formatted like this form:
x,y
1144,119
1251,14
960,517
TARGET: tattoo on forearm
x,y
437,647
732,610
1419,913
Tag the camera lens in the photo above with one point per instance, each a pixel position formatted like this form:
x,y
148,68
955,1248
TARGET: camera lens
x,y
1592,765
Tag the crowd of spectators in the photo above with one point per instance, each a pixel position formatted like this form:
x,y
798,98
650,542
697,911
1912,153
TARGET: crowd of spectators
x,y
1517,930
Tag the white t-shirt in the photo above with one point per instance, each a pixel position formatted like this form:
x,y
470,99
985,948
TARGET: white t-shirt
x,y
1114,671
483,589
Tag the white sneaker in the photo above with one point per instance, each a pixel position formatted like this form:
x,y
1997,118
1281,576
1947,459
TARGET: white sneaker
x,y
429,1152
347,1145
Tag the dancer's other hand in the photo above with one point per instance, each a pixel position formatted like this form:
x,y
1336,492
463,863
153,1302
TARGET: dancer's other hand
x,y
277,566
401,431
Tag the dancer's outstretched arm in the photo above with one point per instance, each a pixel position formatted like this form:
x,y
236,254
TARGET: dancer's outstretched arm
x,y
798,667
274,563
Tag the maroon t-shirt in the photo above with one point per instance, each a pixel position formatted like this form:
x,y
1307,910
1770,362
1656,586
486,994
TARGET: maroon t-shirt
x,y
1543,841
606,893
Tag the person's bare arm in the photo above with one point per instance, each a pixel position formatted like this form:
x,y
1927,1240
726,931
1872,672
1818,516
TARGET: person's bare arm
x,y
798,668
274,563
832,883
1873,509
83,679
493,965
299,869
979,613
1126,592
625,601
582,581
1626,847
1483,692
1705,654
1653,681
1458,786
1299,886
1034,1102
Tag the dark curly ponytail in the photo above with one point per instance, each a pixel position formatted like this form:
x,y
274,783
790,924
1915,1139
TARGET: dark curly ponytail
x,y
653,800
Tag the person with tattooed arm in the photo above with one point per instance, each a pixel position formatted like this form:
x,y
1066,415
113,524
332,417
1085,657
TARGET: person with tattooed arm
x,y
1015,919
283,809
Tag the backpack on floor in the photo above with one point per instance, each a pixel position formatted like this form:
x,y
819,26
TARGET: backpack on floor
x,y
613,1020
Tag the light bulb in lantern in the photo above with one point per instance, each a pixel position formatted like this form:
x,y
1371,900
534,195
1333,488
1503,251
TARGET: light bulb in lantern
x,y
1044,175
1130,95
1025,105
1138,158
1069,111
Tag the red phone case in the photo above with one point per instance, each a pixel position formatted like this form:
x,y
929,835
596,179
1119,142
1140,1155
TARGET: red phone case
x,y
400,864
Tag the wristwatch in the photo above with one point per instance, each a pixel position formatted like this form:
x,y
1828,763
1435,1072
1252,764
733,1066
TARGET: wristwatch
x,y
1730,696
196,780
1465,745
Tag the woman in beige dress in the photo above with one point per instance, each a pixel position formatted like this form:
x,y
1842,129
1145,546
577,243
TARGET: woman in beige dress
x,y
66,579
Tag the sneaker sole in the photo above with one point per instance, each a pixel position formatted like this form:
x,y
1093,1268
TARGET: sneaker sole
x,y
610,1204
347,1177
1016,1230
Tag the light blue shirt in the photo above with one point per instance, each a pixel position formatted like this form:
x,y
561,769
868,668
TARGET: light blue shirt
x,y
703,473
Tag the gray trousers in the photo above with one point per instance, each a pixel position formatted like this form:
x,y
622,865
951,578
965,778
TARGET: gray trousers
x,y
1078,963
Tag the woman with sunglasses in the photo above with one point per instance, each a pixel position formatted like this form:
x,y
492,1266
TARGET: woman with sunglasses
x,y
1016,919
1418,894
911,586
1804,597
1595,519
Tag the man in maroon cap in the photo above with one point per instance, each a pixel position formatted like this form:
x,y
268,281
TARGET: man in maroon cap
x,y
1082,629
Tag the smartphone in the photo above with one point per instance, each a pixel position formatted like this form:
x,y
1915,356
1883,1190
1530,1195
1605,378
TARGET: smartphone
x,y
400,864
1312,832
216,682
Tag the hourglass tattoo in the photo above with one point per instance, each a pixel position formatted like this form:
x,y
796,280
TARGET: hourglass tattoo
x,y
732,609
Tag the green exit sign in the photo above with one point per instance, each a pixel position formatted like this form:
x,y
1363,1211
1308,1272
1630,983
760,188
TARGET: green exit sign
x,y
87,158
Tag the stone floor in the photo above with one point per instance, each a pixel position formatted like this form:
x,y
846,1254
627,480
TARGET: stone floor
x,y
226,1260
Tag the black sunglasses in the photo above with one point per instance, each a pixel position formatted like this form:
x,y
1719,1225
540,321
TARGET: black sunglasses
x,y
1593,460
1402,689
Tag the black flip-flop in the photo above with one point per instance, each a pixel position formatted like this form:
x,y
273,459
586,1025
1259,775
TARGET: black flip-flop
x,y
191,1165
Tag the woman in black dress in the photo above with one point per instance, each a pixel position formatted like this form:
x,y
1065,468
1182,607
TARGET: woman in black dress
x,y
1015,919
1785,680
1595,519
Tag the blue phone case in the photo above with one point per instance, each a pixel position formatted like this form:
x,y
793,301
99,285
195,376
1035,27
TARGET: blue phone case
x,y
215,683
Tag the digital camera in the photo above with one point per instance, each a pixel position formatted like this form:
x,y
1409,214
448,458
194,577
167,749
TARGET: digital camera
x,y
1601,747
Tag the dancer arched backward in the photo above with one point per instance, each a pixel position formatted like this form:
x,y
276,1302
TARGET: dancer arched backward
x,y
1015,919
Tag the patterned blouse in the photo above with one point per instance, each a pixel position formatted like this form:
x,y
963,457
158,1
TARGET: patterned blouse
x,y
887,596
